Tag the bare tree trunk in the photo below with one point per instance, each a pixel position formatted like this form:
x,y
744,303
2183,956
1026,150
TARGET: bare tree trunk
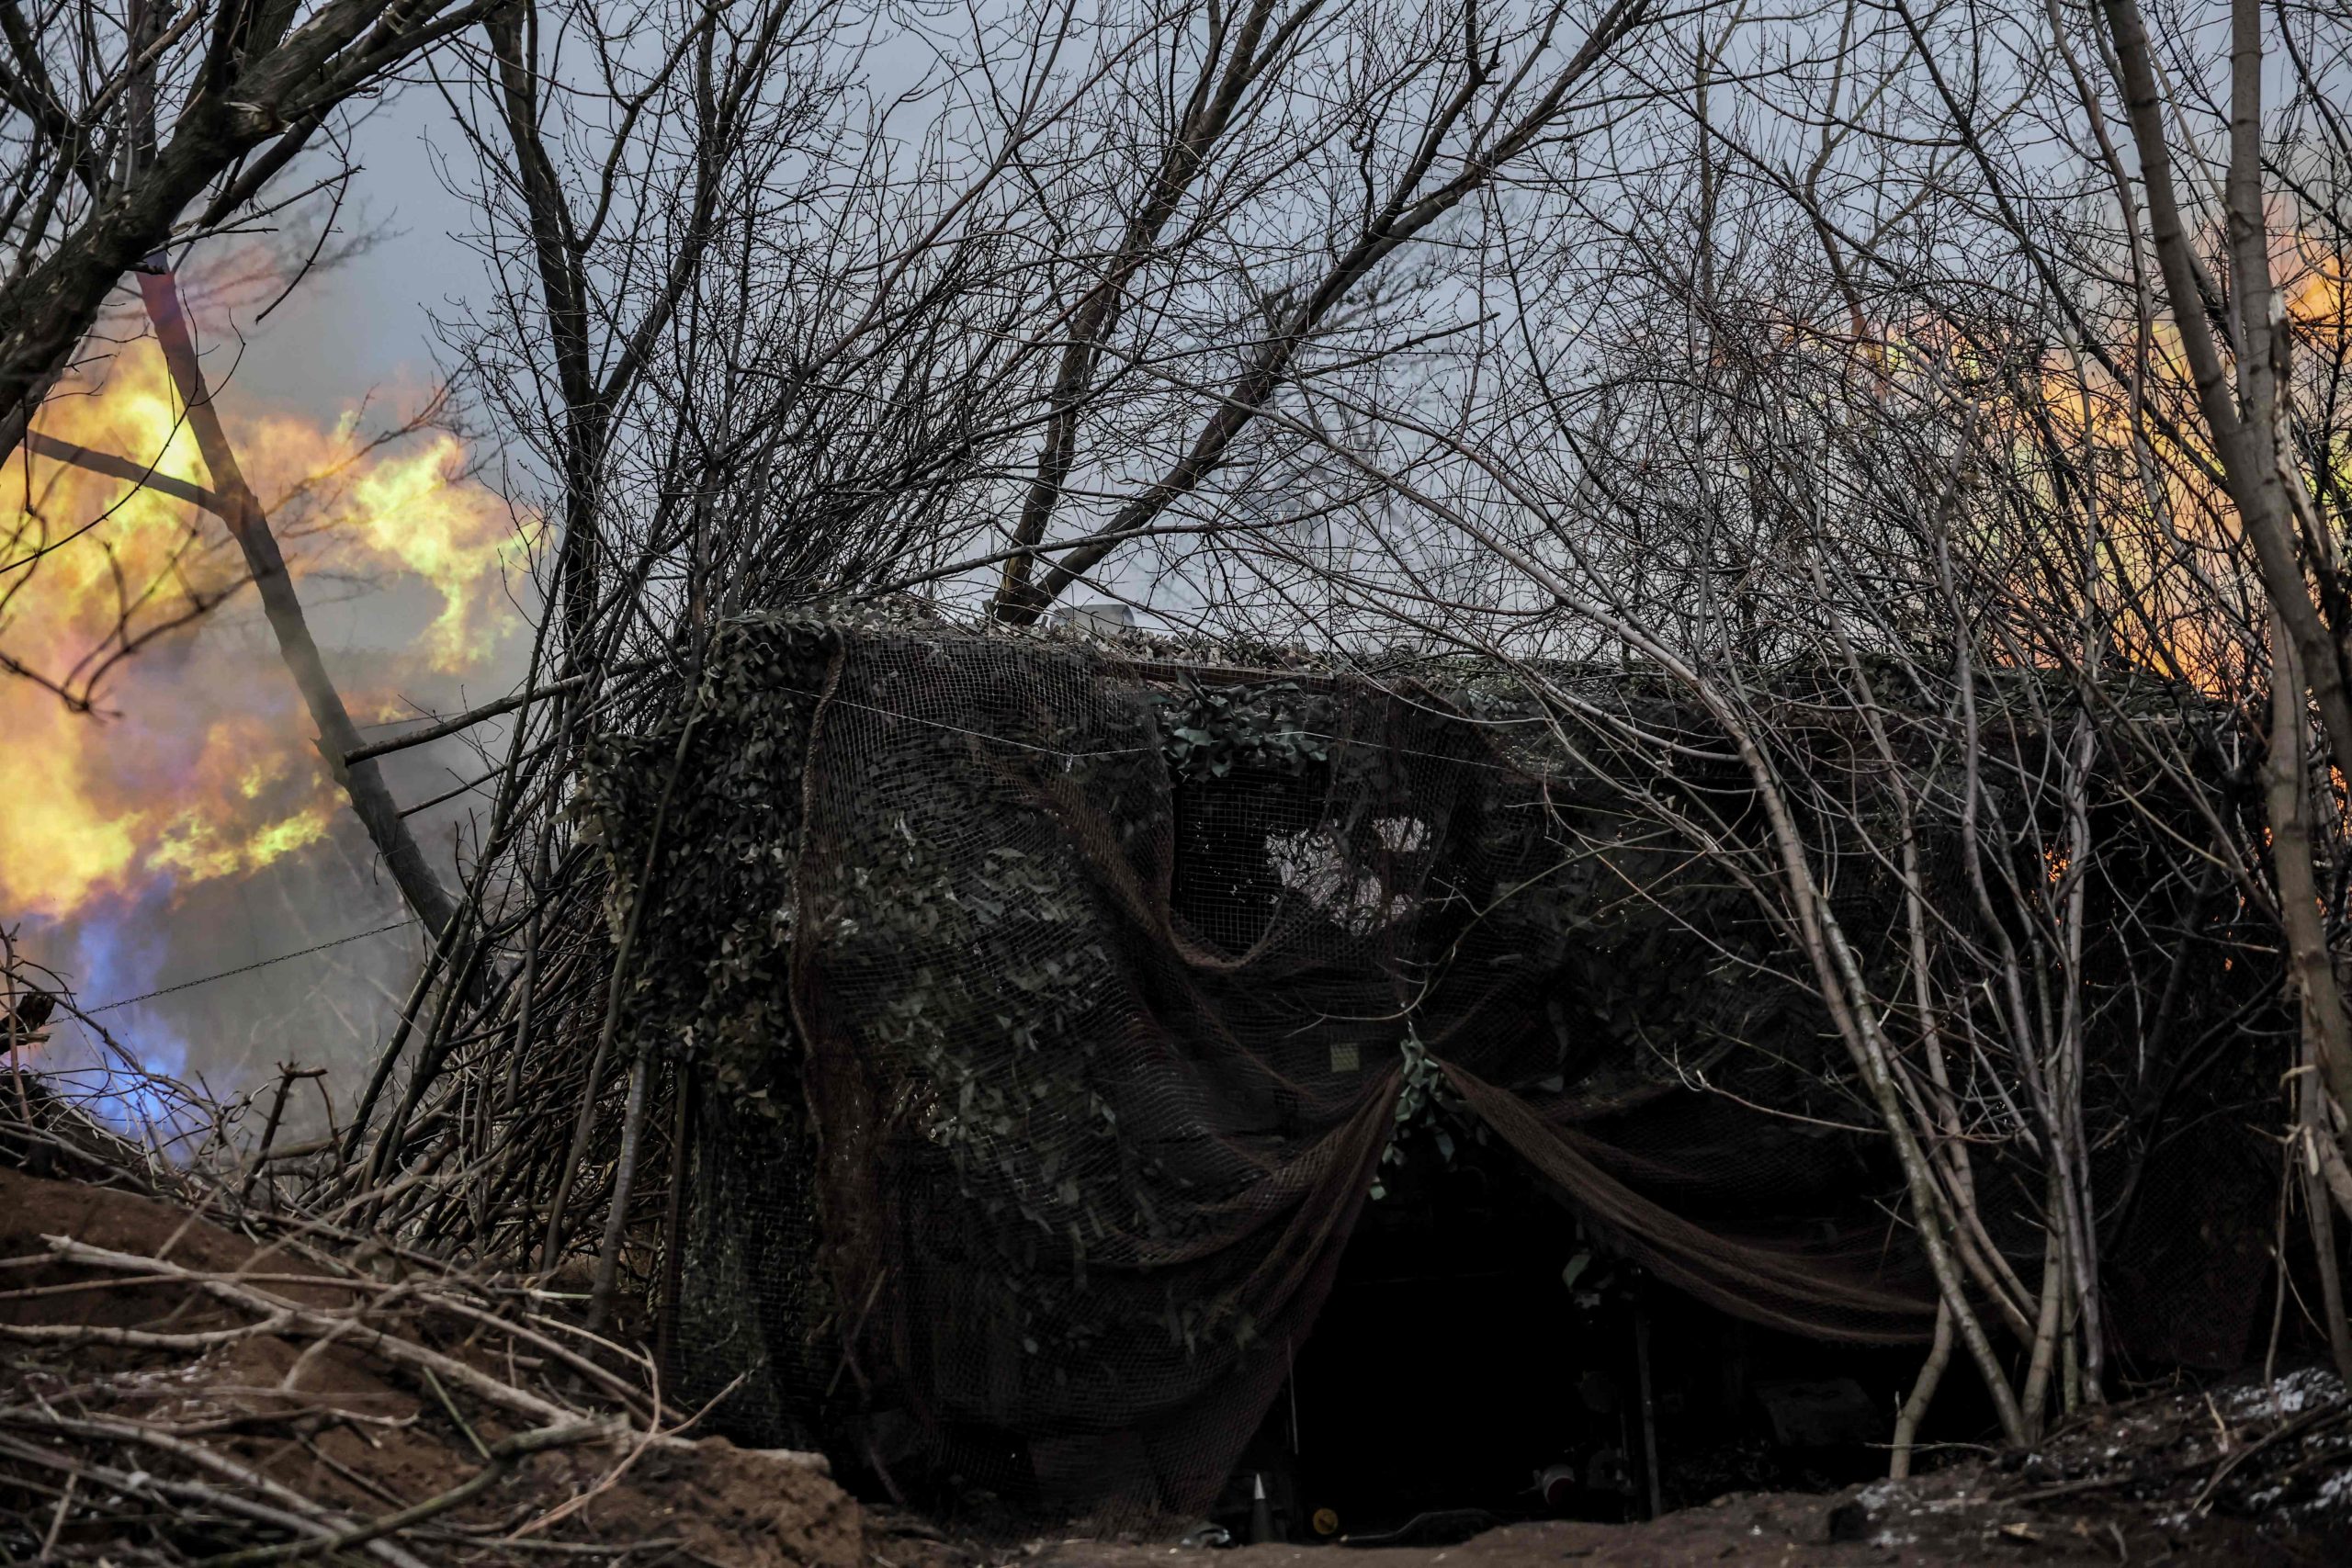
x,y
2301,915
1923,1393
2071,1142
2312,1100
248,101
2049,1322
371,799
2242,436
2310,963
608,1255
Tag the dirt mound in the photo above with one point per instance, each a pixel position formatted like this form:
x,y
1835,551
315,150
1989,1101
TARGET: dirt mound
x,y
176,1391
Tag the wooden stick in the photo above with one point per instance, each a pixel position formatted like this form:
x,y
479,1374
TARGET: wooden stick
x,y
472,716
501,1457
600,1295
286,1076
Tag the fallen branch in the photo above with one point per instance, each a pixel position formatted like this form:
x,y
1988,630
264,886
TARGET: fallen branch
x,y
503,1456
299,1516
352,1331
348,1328
2301,1425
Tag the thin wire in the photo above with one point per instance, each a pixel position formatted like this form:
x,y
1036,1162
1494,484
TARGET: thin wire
x,y
249,968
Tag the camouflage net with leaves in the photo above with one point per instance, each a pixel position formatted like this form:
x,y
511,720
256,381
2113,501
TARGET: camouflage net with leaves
x,y
1056,1012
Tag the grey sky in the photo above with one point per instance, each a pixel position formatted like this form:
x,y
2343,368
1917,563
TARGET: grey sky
x,y
363,325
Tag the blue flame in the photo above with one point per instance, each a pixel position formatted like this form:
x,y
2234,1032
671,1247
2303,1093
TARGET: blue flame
x,y
114,949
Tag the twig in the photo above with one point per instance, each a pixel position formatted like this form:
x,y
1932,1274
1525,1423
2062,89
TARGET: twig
x,y
501,1456
612,1477
473,1439
375,1341
472,716
2310,1421
132,1483
286,1076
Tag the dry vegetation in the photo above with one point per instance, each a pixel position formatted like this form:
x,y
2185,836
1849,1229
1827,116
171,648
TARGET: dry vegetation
x,y
1940,348
190,1378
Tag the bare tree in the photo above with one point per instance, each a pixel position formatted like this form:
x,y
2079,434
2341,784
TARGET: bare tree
x,y
763,346
1814,421
131,131
2277,456
1811,367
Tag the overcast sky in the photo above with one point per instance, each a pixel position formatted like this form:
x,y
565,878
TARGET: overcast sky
x,y
363,324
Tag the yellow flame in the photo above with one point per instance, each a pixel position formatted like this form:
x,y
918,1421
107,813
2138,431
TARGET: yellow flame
x,y
2316,299
200,766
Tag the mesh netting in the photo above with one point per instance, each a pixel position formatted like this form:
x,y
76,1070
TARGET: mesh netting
x,y
1059,1011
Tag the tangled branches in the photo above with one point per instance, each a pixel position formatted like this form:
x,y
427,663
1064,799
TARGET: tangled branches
x,y
267,1389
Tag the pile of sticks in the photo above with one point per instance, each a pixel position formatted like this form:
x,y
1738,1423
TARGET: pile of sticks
x,y
252,1384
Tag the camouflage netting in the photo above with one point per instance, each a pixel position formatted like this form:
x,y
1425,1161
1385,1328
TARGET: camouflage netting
x,y
1055,1011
